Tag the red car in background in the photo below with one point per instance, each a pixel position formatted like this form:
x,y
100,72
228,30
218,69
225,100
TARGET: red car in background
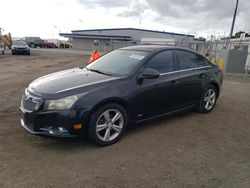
x,y
49,44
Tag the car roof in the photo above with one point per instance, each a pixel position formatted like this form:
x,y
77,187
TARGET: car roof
x,y
151,48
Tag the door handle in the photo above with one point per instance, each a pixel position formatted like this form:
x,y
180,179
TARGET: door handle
x,y
201,75
174,82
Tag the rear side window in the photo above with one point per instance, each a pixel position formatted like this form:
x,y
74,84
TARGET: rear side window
x,y
187,60
162,62
202,61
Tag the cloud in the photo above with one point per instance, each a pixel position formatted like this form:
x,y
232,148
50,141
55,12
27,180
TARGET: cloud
x,y
191,16
190,8
105,3
134,9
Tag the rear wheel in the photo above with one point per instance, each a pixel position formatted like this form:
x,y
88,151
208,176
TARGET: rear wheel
x,y
208,99
108,124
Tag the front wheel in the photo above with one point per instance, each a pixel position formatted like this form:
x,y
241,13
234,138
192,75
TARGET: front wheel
x,y
208,99
108,124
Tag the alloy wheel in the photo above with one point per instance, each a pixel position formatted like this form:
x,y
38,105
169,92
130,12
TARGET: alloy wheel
x,y
209,99
109,125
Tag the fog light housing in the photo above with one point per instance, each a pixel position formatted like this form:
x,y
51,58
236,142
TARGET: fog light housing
x,y
51,130
61,130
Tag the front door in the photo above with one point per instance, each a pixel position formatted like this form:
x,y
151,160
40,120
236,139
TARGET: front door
x,y
157,96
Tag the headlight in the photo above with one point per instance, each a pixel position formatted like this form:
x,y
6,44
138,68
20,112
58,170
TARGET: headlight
x,y
60,104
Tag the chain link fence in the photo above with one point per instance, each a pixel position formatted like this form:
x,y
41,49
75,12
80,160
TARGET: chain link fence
x,y
220,52
215,51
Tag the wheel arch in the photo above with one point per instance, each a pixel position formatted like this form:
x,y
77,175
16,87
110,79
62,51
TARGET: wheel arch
x,y
216,85
116,100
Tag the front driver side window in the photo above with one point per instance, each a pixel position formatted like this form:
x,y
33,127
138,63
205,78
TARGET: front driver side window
x,y
163,62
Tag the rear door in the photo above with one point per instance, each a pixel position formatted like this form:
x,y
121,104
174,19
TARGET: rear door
x,y
192,70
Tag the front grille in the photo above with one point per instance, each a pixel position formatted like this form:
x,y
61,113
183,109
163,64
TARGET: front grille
x,y
30,101
28,104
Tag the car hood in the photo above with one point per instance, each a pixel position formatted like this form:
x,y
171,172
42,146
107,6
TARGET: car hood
x,y
68,82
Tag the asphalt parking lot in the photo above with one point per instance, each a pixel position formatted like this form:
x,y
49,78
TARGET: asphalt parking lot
x,y
186,150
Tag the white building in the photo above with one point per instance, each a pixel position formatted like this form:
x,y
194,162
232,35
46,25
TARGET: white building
x,y
109,39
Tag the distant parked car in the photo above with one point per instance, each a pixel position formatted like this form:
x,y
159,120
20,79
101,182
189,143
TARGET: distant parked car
x,y
49,44
34,42
1,47
20,47
65,44
56,43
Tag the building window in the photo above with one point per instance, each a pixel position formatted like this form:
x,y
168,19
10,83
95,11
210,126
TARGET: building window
x,y
107,44
96,42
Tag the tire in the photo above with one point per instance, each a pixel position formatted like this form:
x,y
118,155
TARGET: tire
x,y
32,45
208,99
109,132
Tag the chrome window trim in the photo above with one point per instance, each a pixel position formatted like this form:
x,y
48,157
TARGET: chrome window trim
x,y
184,70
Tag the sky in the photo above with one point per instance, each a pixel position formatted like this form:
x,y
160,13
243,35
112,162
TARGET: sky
x,y
47,18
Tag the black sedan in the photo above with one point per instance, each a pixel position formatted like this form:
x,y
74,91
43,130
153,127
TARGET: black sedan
x,y
123,87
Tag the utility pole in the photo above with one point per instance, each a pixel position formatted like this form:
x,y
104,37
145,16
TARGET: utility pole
x,y
235,12
228,45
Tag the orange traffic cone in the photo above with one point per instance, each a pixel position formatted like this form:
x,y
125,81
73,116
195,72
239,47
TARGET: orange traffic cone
x,y
94,55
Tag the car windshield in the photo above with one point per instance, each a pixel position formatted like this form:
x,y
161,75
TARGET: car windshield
x,y
19,43
118,62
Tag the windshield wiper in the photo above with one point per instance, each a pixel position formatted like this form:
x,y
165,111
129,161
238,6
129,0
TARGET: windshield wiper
x,y
84,67
100,72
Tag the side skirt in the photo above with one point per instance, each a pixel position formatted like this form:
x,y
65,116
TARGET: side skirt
x,y
187,108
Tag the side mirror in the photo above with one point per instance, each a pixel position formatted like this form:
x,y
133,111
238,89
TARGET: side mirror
x,y
149,73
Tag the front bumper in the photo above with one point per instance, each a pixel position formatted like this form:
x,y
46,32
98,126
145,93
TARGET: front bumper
x,y
51,131
49,123
21,51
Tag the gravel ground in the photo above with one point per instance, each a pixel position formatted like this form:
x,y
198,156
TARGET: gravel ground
x,y
186,150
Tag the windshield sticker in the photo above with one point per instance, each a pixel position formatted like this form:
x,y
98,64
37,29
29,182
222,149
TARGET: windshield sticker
x,y
135,56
